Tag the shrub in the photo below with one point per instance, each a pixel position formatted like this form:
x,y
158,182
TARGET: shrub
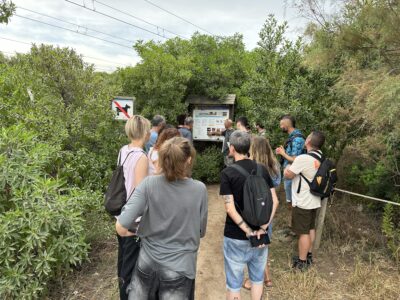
x,y
208,165
42,230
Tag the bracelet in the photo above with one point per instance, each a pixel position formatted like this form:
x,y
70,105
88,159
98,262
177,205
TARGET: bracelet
x,y
240,223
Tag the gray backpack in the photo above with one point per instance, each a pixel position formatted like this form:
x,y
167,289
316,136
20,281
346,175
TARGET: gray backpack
x,y
257,197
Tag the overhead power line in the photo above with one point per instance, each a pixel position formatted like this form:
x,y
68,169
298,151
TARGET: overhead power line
x,y
85,56
114,18
140,19
77,32
74,24
179,17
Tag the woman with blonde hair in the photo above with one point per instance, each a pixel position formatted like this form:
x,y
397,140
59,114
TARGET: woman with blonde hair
x,y
174,210
165,134
135,166
261,152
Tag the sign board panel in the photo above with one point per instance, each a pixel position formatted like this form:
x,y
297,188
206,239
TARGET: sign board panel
x,y
122,107
208,123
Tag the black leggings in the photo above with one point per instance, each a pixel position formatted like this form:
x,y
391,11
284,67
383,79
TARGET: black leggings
x,y
128,252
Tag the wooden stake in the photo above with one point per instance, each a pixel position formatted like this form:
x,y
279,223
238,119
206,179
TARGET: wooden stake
x,y
320,224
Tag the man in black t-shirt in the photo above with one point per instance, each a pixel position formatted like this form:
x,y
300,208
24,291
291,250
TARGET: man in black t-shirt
x,y
237,248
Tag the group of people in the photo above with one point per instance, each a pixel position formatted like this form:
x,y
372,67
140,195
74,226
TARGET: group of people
x,y
160,226
246,149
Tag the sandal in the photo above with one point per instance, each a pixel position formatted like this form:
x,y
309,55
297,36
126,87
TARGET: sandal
x,y
246,284
268,283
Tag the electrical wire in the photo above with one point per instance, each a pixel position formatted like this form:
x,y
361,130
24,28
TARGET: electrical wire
x,y
140,19
91,57
114,18
77,32
179,17
74,24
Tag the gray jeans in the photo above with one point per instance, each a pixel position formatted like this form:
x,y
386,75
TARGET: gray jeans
x,y
151,281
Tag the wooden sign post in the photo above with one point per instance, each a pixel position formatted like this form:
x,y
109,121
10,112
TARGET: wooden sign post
x,y
320,223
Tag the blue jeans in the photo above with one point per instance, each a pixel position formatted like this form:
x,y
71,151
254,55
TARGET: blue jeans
x,y
151,281
238,254
288,190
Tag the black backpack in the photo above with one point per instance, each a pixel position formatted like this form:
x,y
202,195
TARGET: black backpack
x,y
257,197
324,181
116,196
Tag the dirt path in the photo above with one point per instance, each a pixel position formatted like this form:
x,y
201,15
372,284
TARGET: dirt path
x,y
346,268
210,280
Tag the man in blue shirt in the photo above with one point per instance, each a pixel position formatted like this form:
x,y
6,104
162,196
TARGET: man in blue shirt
x,y
157,123
294,146
186,130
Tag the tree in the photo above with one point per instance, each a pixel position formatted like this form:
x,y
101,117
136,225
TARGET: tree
x,y
7,9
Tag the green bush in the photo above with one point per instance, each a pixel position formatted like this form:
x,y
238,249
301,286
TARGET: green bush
x,y
42,229
208,165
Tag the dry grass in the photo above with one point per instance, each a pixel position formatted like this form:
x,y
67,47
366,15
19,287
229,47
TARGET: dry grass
x,y
352,262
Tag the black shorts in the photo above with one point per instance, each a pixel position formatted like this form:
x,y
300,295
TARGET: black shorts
x,y
303,220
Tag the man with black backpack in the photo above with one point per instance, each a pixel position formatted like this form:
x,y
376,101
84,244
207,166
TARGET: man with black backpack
x,y
313,179
250,203
293,147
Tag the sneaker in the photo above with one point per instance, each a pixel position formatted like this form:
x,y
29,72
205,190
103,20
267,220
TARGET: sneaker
x,y
300,265
309,260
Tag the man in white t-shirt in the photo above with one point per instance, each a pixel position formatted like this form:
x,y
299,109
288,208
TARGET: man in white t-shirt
x,y
304,203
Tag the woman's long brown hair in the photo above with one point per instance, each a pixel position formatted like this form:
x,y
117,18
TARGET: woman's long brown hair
x,y
173,158
261,152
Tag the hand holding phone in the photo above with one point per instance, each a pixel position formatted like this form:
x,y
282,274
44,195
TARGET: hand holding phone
x,y
255,242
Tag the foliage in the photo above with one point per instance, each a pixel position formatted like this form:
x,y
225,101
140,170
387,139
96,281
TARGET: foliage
x,y
362,47
208,165
280,84
55,94
42,230
7,9
58,145
170,71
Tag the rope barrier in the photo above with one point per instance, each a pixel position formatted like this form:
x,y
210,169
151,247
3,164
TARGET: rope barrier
x,y
367,197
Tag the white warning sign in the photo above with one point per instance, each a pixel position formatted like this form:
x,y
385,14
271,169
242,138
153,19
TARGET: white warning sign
x,y
122,107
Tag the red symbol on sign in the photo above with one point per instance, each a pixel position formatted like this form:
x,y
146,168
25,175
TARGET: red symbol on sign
x,y
124,109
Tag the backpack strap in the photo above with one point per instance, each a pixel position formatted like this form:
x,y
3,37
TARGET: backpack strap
x,y
319,157
129,153
240,169
291,139
299,187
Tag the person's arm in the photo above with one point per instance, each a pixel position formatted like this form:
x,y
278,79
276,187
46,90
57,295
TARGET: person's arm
x,y
275,205
234,215
204,213
283,153
131,211
288,174
295,168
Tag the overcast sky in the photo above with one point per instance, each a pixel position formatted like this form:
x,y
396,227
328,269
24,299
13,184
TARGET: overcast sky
x,y
219,17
